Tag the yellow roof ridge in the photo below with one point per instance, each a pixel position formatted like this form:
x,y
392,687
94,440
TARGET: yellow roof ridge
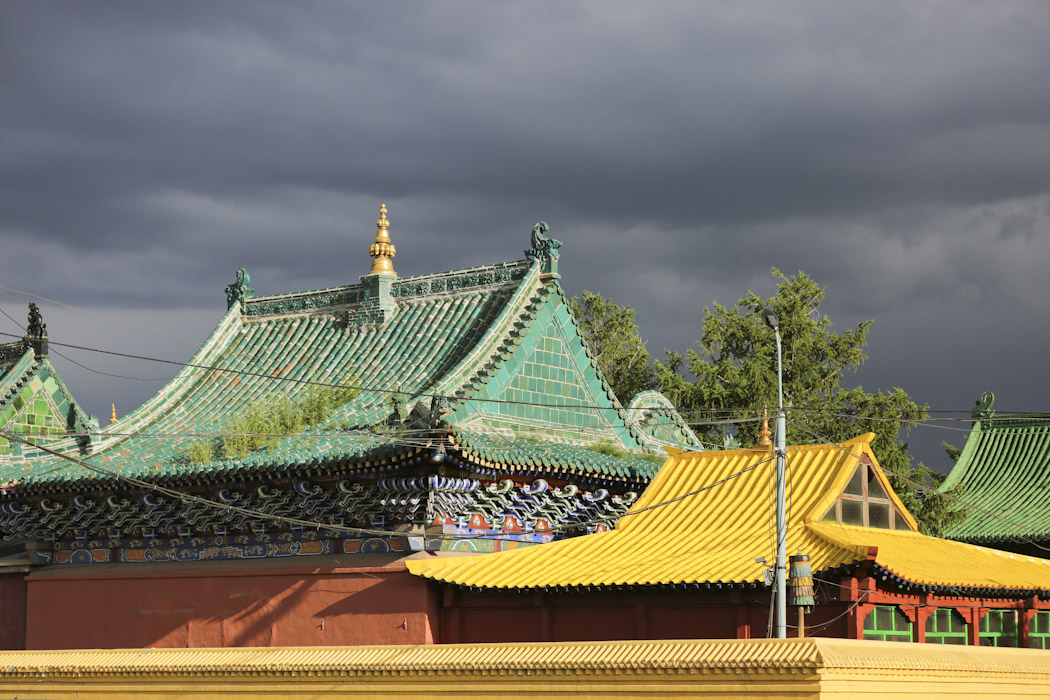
x,y
511,658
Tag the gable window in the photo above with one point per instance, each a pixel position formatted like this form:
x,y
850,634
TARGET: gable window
x,y
865,502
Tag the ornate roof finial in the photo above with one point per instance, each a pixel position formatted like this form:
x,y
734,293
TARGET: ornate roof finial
x,y
764,433
382,250
112,413
240,290
544,248
983,409
36,332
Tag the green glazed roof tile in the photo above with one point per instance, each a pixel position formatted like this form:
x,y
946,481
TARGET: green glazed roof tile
x,y
448,339
1004,472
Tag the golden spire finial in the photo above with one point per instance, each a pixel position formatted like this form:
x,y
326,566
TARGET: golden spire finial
x,y
764,433
382,250
112,413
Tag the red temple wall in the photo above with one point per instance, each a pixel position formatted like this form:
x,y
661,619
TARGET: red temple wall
x,y
483,616
135,605
268,603
13,609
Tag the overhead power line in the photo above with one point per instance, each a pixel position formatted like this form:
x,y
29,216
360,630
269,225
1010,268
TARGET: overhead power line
x,y
99,313
684,413
192,498
369,389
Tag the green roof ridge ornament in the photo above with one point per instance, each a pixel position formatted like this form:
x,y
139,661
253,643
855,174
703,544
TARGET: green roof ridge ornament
x,y
382,250
983,409
240,289
544,248
36,332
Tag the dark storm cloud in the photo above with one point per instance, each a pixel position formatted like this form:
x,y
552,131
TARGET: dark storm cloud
x,y
898,152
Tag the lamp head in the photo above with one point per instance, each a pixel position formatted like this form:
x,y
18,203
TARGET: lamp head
x,y
770,318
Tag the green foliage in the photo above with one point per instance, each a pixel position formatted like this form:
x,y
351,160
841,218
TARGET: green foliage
x,y
612,335
952,450
608,448
258,425
320,401
614,450
654,457
262,423
734,370
201,451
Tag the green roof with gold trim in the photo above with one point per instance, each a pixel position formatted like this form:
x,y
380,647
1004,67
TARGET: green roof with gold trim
x,y
493,349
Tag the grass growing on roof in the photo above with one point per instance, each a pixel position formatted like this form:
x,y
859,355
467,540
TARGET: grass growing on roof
x,y
262,423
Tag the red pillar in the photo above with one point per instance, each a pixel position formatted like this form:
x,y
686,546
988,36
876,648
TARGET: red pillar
x,y
974,630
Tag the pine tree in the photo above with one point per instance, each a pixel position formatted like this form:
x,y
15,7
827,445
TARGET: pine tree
x,y
733,372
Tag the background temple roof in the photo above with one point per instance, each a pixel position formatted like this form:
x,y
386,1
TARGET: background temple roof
x,y
1004,475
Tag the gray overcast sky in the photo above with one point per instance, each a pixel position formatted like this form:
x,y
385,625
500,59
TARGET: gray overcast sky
x,y
897,152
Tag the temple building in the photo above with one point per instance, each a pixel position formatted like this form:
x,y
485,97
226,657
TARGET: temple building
x,y
692,557
271,492
1004,475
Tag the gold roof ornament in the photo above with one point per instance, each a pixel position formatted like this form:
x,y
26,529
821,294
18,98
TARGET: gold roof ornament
x,y
112,413
764,433
382,250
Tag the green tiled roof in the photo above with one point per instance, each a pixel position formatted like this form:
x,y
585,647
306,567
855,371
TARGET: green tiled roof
x,y
35,403
1004,472
497,339
551,458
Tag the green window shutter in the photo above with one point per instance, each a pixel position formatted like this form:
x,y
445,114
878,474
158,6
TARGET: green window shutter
x,y
1039,630
946,626
999,629
887,623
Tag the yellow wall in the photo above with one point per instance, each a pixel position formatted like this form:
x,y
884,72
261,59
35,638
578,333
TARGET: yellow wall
x,y
793,668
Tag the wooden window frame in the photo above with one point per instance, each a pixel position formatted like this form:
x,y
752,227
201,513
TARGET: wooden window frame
x,y
1000,639
1036,639
898,633
935,637
867,476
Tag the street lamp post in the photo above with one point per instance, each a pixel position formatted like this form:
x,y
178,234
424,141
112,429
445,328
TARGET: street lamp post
x,y
780,580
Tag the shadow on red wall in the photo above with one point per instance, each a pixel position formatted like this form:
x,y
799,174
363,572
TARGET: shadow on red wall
x,y
338,601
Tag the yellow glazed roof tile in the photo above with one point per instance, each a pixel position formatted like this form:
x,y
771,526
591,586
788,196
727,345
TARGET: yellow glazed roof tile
x,y
707,516
514,658
931,561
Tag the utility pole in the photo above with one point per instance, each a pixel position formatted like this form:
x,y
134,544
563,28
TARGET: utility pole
x,y
780,580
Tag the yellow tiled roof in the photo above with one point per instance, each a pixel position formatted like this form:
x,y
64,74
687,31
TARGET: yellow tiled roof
x,y
681,532
521,659
930,561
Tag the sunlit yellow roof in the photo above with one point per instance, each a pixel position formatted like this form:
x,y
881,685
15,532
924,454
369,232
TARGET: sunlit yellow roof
x,y
682,532
931,561
654,669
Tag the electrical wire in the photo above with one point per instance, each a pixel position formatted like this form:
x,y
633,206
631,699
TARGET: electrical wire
x,y
191,498
92,369
99,313
684,414
369,389
822,625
